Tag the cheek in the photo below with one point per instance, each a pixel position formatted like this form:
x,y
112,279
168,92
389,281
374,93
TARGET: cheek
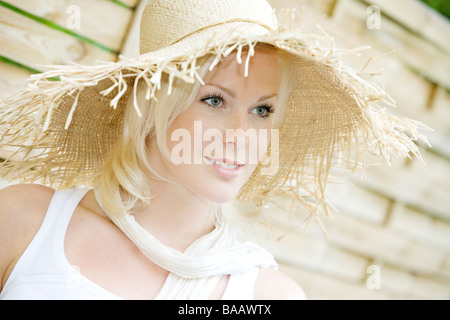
x,y
180,139
258,146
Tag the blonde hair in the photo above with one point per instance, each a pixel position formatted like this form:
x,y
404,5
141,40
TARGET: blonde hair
x,y
123,183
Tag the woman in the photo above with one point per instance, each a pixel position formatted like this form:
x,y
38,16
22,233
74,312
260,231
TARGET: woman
x,y
221,107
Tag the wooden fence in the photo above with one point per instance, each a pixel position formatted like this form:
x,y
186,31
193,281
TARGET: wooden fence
x,y
391,239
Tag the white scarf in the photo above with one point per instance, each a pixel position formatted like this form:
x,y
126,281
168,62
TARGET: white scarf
x,y
195,273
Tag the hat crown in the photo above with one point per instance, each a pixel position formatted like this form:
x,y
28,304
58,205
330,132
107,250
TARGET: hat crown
x,y
165,22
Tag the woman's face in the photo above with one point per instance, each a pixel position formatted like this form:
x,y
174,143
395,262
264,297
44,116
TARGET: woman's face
x,y
217,142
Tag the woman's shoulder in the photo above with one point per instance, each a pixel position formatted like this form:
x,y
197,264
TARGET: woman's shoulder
x,y
275,285
24,199
22,210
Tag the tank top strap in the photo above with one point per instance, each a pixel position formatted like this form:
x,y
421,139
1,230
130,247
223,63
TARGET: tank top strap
x,y
60,211
45,252
49,240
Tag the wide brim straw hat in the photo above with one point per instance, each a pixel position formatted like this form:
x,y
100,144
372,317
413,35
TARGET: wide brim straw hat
x,y
61,128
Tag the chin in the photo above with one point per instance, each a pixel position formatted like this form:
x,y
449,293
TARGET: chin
x,y
208,185
222,190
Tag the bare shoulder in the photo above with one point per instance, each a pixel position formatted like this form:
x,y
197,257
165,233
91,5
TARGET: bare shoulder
x,y
22,210
23,199
275,285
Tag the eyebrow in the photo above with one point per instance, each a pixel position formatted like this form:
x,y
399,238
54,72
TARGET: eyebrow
x,y
231,93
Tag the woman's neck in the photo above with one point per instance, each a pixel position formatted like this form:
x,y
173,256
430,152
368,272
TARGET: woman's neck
x,y
176,216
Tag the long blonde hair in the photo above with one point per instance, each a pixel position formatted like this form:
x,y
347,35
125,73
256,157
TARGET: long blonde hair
x,y
124,181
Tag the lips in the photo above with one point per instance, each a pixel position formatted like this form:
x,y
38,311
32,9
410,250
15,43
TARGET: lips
x,y
228,164
225,167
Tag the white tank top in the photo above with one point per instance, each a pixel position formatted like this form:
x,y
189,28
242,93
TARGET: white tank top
x,y
43,272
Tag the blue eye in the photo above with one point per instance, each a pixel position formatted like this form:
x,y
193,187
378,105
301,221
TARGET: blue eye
x,y
263,111
214,100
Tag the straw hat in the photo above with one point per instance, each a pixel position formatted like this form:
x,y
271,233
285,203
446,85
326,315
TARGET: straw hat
x,y
61,131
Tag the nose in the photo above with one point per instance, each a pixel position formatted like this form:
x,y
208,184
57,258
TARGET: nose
x,y
236,130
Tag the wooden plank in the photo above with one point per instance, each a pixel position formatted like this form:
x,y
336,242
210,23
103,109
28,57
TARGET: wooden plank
x,y
318,286
418,226
414,51
446,267
385,246
321,7
31,43
419,18
438,116
401,83
12,79
358,203
423,188
401,285
434,113
102,21
313,252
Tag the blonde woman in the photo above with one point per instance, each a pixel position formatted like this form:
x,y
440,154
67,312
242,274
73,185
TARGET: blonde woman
x,y
146,154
